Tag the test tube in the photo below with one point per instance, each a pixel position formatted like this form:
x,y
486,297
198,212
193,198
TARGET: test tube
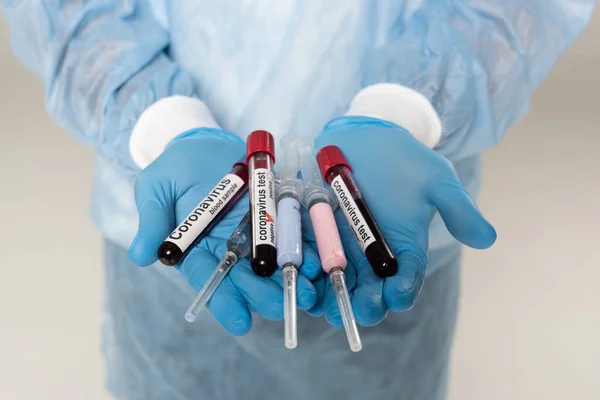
x,y
260,156
331,252
338,174
238,246
204,216
289,236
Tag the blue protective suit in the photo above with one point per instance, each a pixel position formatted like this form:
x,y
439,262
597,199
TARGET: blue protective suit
x,y
285,66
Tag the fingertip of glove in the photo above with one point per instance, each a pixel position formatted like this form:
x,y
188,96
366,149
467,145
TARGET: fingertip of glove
x,y
402,290
239,325
310,270
370,318
369,306
307,298
273,311
316,310
333,316
139,257
311,266
485,238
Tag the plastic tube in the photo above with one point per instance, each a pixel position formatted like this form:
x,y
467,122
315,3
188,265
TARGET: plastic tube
x,y
238,246
289,302
329,244
338,281
289,235
211,285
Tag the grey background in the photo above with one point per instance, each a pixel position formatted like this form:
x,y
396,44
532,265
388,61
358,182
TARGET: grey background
x,y
529,325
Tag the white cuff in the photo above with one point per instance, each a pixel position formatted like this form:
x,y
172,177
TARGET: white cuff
x,y
402,106
162,122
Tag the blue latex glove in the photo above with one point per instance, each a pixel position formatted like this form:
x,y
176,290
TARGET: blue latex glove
x,y
404,183
165,193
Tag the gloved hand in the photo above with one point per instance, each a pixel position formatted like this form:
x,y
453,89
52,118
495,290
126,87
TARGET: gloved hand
x,y
169,189
403,183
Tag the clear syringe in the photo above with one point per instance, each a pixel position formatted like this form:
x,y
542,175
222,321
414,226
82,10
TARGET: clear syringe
x,y
318,201
238,246
289,235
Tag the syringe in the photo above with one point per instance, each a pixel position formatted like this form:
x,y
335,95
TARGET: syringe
x,y
289,235
331,252
238,246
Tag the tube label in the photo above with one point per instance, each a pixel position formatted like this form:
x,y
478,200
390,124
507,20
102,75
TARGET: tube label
x,y
363,234
263,210
197,221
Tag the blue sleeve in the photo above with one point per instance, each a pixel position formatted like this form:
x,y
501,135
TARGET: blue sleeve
x,y
102,63
477,61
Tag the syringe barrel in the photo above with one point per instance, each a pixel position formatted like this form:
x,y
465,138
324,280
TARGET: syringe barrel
x,y
290,187
289,169
317,194
289,232
310,170
329,244
314,190
239,241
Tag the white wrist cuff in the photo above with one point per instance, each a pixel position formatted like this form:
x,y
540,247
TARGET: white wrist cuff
x,y
162,122
400,105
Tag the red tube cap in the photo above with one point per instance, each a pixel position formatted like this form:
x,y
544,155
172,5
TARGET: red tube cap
x,y
260,142
329,157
